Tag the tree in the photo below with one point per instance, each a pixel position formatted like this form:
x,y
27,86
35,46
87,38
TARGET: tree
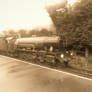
x,y
4,33
11,32
74,25
22,33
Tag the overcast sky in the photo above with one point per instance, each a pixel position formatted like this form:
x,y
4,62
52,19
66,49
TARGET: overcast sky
x,y
24,14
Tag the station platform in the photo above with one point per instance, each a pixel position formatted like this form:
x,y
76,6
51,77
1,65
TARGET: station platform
x,y
19,76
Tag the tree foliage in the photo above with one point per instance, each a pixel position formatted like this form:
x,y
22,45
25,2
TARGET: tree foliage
x,y
74,24
34,32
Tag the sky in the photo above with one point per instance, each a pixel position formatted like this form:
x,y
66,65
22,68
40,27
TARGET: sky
x,y
24,14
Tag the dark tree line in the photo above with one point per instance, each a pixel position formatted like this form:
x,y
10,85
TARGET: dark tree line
x,y
34,32
28,33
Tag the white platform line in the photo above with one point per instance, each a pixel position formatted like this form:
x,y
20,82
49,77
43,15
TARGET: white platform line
x,y
50,68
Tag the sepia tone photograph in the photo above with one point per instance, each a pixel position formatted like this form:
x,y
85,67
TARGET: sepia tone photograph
x,y
45,45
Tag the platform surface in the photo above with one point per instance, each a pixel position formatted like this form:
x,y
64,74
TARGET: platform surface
x,y
17,76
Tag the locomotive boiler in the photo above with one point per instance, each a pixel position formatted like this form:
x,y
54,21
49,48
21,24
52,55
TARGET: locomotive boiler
x,y
38,43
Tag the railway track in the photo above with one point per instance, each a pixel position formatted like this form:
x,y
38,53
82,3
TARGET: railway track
x,y
83,73
59,66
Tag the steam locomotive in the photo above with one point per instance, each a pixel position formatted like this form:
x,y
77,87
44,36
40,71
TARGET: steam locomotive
x,y
37,49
